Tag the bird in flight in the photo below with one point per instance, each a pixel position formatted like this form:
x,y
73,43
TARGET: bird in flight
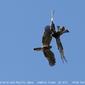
x,y
46,48
56,35
49,32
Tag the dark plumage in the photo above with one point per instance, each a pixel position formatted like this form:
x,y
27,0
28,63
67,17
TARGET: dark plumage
x,y
46,40
50,32
57,35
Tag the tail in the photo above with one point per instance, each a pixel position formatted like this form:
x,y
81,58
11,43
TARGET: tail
x,y
38,49
52,61
52,25
52,15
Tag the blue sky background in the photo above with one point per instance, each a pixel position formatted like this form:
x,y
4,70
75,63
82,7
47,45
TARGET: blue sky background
x,y
22,24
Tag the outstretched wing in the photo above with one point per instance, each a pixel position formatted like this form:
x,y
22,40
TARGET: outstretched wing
x,y
47,37
50,56
61,50
38,49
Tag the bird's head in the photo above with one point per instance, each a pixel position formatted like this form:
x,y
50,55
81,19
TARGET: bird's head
x,y
64,30
47,29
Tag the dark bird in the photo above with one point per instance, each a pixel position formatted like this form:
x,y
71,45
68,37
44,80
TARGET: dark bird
x,y
57,35
50,32
46,40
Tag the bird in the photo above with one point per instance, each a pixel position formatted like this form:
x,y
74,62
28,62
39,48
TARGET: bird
x,y
46,48
57,35
49,33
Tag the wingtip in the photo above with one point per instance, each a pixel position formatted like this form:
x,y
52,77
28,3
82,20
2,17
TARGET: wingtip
x,y
68,30
64,60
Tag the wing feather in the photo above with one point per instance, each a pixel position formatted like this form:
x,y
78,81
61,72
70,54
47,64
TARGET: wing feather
x,y
61,50
47,37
